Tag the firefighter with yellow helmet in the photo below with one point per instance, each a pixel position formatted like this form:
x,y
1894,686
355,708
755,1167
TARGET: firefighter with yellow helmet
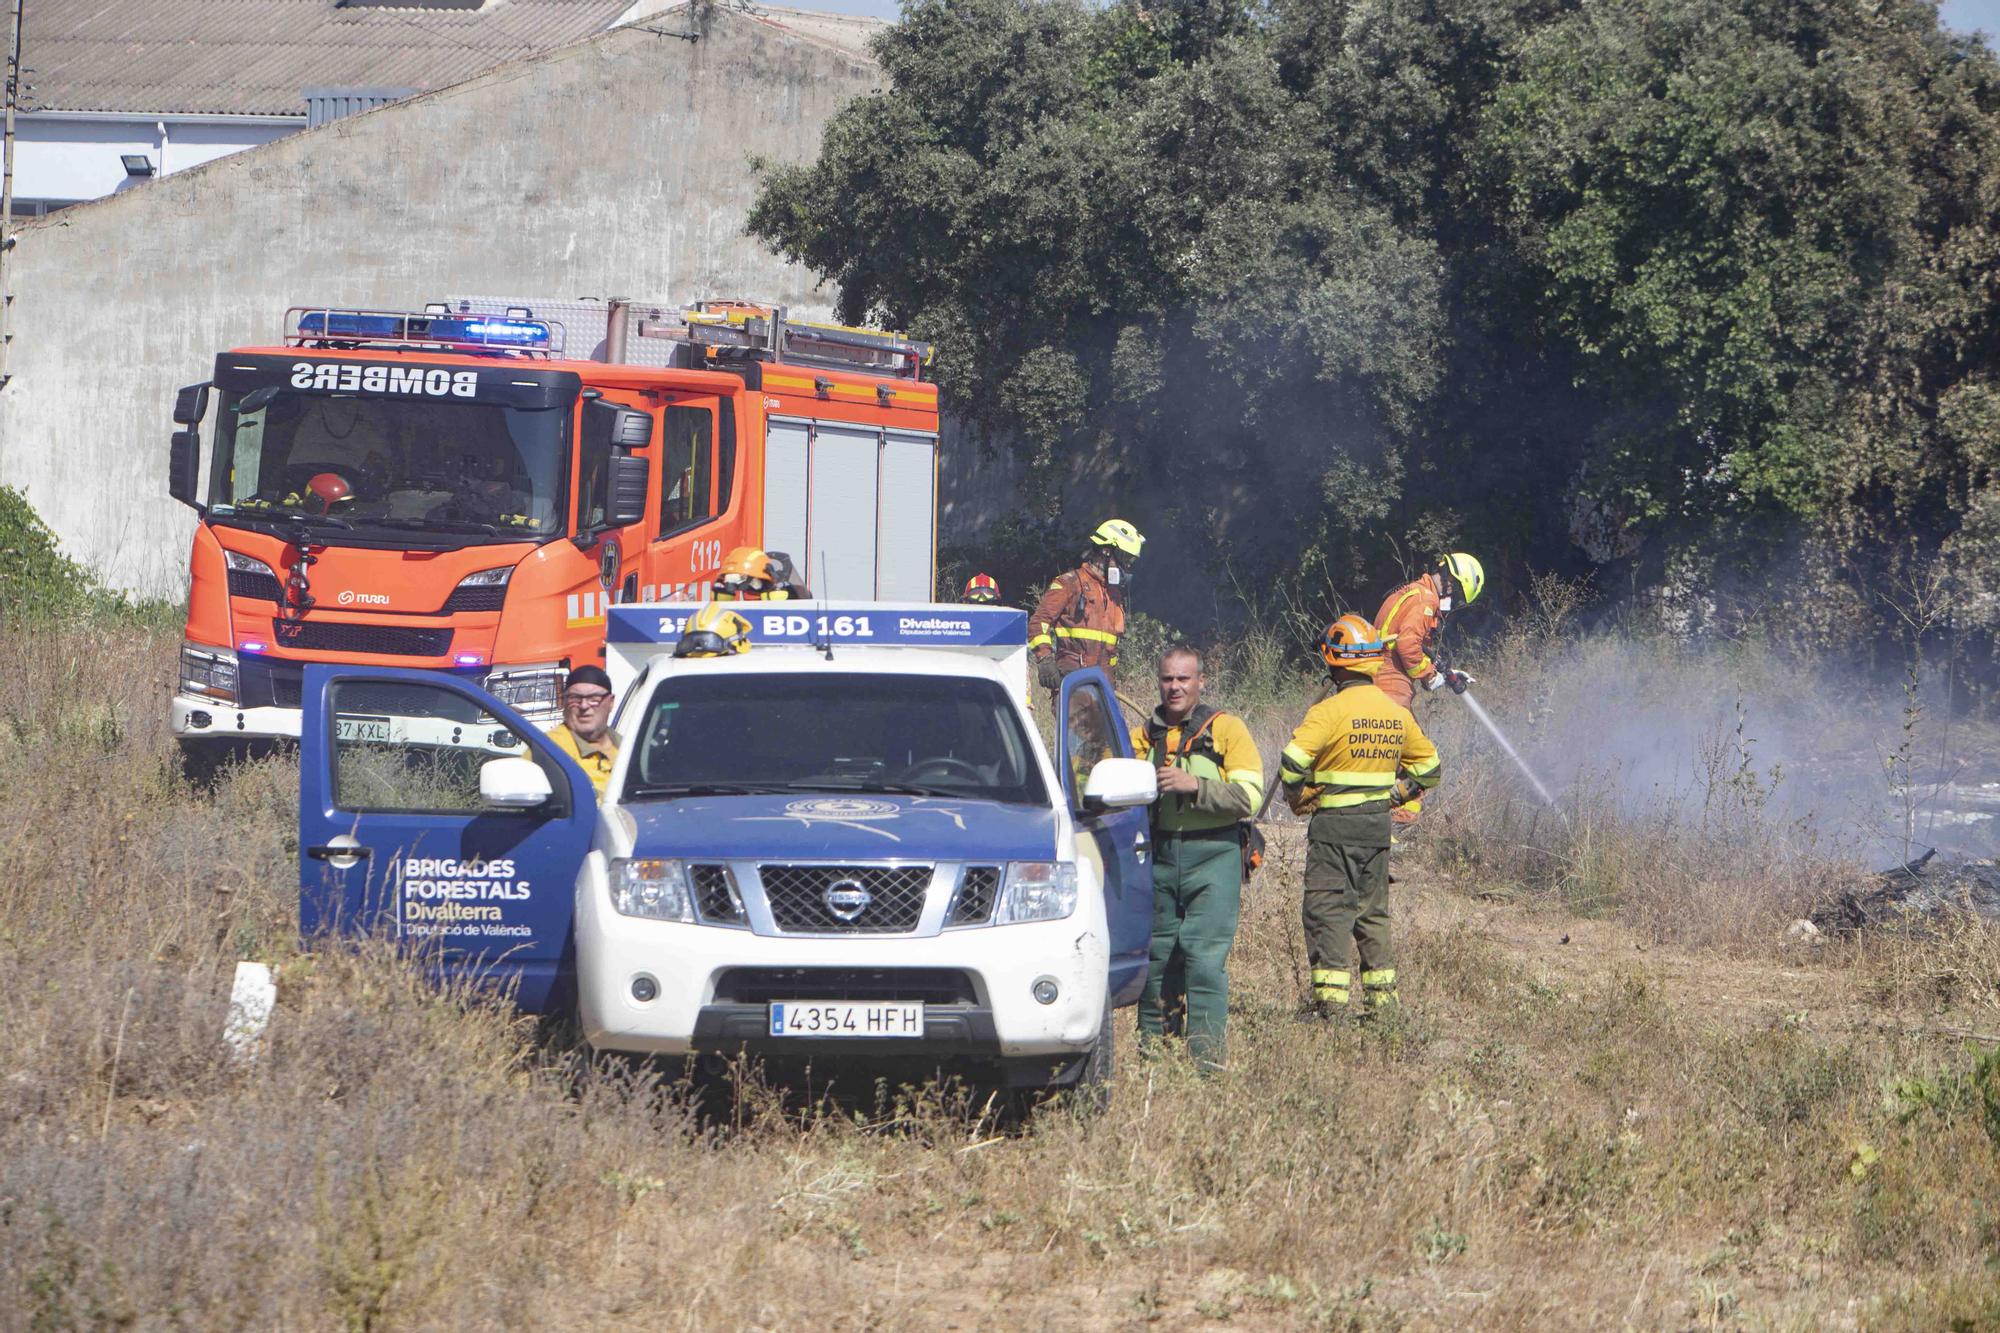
x,y
1081,616
714,631
1410,620
1357,753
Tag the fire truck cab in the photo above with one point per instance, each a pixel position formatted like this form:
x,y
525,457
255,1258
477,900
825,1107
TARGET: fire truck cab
x,y
469,489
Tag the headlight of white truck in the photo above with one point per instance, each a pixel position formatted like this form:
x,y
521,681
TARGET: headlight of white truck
x,y
653,888
1036,891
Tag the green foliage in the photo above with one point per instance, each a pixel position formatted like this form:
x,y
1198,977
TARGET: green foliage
x,y
1675,286
37,581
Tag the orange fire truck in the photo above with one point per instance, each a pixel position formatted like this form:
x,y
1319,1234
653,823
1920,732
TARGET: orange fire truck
x,y
469,487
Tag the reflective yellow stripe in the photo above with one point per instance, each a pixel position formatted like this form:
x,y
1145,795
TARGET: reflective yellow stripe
x,y
1093,635
1395,609
1425,665
1427,769
1293,765
1353,798
1381,976
1040,641
1330,985
1354,778
1249,779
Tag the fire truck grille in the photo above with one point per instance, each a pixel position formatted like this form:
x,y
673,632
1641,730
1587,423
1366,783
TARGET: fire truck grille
x,y
249,583
712,898
330,636
823,900
484,598
973,903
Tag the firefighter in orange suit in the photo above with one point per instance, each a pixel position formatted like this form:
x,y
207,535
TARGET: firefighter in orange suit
x,y
1409,621
1080,617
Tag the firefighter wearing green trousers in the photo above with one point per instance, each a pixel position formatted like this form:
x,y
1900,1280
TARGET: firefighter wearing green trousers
x,y
1357,754
1211,778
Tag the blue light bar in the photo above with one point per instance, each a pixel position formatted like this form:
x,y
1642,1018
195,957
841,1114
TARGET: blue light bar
x,y
462,330
347,324
504,332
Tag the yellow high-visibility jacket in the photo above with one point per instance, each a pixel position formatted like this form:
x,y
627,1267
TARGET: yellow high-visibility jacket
x,y
1351,749
1223,759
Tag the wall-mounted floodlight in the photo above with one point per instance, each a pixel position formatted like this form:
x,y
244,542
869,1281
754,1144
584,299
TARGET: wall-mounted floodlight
x,y
136,164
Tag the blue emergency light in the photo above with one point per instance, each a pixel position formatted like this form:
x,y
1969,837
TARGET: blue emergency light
x,y
460,330
350,324
498,332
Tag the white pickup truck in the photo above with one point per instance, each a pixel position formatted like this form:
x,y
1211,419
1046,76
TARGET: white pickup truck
x,y
845,848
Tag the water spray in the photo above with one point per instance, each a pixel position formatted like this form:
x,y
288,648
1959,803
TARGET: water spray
x,y
1493,729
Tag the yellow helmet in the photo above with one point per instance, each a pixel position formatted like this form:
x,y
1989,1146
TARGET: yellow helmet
x,y
1351,644
1465,571
714,631
1119,535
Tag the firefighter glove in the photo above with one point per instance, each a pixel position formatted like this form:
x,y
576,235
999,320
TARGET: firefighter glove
x,y
1404,792
1049,672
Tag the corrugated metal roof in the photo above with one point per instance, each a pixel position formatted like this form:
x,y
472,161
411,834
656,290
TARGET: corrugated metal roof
x,y
255,57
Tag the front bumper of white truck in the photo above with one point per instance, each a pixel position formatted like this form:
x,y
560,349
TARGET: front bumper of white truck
x,y
678,988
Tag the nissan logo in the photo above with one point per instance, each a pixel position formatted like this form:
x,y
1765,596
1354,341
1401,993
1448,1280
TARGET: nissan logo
x,y
847,898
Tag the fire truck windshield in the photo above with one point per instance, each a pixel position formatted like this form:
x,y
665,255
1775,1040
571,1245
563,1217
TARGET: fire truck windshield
x,y
383,469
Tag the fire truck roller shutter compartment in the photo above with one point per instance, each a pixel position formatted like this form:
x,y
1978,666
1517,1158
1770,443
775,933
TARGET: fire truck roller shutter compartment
x,y
905,526
858,502
787,473
840,524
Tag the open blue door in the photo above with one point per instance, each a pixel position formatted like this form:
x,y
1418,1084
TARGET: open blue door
x,y
1091,728
396,839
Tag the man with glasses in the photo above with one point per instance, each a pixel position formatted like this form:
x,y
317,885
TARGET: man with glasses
x,y
585,733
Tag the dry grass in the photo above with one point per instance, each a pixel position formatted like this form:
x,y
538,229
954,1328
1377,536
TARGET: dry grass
x,y
1584,1118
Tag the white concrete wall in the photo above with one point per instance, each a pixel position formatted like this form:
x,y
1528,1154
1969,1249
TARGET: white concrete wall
x,y
74,157
615,167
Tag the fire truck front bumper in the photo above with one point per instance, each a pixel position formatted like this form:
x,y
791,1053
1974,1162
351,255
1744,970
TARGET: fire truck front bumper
x,y
193,719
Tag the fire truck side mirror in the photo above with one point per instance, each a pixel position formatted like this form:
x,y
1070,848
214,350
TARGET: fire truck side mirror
x,y
191,405
631,429
184,467
628,491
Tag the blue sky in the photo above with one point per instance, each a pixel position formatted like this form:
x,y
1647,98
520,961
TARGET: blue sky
x,y
1964,15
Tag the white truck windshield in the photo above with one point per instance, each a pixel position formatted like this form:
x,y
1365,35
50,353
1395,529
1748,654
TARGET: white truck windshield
x,y
834,732
389,466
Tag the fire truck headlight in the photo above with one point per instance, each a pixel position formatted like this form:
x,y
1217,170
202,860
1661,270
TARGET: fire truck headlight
x,y
209,672
651,887
488,578
247,564
533,691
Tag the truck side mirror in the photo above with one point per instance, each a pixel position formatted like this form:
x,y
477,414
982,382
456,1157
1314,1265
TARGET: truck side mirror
x,y
628,491
1120,784
184,467
191,405
632,429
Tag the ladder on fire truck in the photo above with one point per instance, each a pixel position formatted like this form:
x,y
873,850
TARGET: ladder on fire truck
x,y
739,328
